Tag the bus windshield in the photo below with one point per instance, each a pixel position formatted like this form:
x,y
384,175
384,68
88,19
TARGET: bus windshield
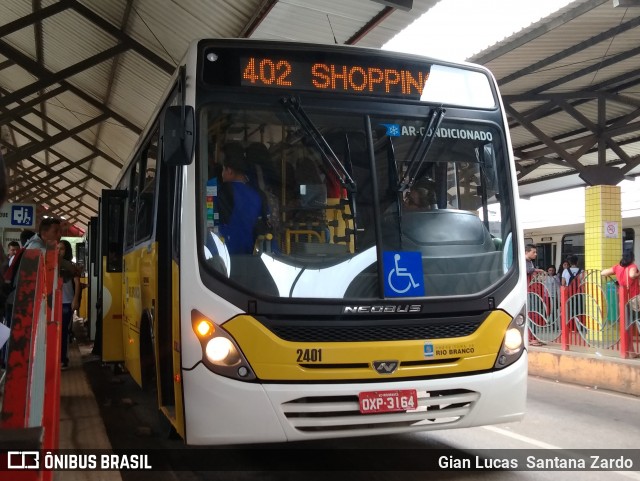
x,y
353,205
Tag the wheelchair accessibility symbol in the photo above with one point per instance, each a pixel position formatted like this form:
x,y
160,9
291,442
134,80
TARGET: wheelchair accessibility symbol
x,y
22,215
403,274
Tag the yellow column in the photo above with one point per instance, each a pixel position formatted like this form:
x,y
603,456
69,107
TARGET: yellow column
x,y
602,248
603,227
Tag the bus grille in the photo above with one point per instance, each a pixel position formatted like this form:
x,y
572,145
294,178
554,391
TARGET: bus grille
x,y
366,333
341,413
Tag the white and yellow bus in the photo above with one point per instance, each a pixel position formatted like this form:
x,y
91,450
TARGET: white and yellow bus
x,y
375,297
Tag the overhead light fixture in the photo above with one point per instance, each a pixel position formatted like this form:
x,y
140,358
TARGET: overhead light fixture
x,y
405,5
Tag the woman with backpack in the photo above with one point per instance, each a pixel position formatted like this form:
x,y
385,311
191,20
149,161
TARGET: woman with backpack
x,y
572,273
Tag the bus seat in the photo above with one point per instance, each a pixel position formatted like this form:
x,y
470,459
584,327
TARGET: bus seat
x,y
445,231
459,255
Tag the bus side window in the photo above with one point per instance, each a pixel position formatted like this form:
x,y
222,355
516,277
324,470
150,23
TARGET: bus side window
x,y
132,204
146,200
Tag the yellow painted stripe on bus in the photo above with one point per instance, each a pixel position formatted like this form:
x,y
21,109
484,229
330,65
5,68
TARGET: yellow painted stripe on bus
x,y
132,301
275,359
178,421
112,322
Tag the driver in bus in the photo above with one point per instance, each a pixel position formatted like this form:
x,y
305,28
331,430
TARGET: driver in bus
x,y
421,196
240,205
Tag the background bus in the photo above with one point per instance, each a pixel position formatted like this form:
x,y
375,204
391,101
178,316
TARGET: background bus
x,y
556,243
372,297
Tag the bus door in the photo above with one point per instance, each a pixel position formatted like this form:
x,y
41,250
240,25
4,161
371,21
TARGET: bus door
x,y
92,277
167,328
81,259
176,118
111,242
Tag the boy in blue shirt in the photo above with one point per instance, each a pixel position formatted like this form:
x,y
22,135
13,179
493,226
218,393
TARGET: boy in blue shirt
x,y
239,204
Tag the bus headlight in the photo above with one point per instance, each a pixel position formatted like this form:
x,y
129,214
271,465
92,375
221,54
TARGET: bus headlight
x,y
513,342
220,349
220,353
513,339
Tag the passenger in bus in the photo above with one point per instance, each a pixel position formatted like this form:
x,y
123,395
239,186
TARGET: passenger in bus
x,y
264,178
240,205
422,195
419,198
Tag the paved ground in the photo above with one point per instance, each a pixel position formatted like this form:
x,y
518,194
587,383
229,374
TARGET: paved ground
x,y
81,424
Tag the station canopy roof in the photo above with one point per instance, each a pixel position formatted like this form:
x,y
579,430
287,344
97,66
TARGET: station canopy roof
x,y
571,88
80,79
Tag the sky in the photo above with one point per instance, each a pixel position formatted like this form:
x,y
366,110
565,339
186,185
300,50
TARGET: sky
x,y
443,33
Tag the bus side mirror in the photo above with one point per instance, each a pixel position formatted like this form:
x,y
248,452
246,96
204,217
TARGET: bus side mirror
x,y
178,140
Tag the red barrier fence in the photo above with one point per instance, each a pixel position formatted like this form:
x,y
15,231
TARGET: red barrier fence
x,y
592,314
30,416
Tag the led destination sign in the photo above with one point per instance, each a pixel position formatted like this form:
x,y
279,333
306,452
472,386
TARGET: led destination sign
x,y
371,79
316,71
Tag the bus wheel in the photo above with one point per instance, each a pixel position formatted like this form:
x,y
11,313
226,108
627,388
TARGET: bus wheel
x,y
147,358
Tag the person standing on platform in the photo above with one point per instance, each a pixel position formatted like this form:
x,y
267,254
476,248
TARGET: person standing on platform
x,y
627,275
552,284
49,230
12,249
563,267
573,272
70,275
530,254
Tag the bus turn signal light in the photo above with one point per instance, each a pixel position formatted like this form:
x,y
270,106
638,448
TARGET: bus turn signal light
x,y
204,328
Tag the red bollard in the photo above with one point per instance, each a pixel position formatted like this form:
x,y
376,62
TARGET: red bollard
x,y
564,326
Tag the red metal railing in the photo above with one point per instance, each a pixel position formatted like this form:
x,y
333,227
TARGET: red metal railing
x,y
31,395
591,314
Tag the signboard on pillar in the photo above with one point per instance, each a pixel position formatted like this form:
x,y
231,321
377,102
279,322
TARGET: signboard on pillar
x,y
18,216
611,230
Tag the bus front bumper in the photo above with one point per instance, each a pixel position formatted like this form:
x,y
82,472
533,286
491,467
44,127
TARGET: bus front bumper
x,y
219,410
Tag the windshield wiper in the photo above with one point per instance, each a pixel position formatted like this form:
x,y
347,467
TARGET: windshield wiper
x,y
435,119
328,155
